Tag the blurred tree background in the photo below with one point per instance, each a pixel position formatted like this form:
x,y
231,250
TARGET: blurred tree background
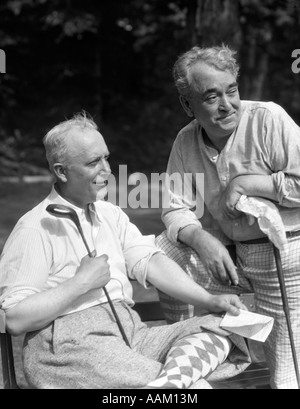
x,y
113,58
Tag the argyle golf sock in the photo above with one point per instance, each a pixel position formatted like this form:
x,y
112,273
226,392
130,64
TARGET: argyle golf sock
x,y
192,358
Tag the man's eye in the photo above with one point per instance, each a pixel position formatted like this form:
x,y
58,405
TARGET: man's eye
x,y
94,163
97,161
211,99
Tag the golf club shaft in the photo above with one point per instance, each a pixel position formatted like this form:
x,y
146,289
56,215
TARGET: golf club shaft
x,y
286,310
106,293
116,317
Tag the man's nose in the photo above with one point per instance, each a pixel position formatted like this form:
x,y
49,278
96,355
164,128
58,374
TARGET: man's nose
x,y
106,166
225,104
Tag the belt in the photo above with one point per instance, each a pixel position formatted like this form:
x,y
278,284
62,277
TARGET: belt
x,y
261,240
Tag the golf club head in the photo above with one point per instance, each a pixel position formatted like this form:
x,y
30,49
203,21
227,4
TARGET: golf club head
x,y
63,211
66,212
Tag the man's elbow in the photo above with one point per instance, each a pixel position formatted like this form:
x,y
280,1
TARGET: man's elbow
x,y
14,325
155,266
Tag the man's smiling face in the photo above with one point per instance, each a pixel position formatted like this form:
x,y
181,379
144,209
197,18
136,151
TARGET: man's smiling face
x,y
87,169
214,100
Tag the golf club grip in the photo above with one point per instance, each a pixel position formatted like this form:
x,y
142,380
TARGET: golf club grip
x,y
116,317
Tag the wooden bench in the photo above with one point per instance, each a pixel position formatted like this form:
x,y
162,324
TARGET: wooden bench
x,y
255,377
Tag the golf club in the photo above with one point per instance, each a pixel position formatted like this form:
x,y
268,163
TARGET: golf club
x,y
286,310
66,212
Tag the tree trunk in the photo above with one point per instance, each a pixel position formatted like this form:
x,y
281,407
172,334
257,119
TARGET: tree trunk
x,y
213,22
191,22
255,74
98,78
255,58
217,22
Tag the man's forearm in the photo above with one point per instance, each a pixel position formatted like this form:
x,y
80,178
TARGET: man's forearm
x,y
256,185
191,235
167,276
38,310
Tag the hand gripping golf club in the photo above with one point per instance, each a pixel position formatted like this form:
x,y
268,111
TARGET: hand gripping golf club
x,y
66,212
286,310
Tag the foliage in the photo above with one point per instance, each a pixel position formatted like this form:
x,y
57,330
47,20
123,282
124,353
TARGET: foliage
x,y
114,59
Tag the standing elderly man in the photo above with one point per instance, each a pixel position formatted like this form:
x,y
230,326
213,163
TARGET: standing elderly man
x,y
52,291
241,148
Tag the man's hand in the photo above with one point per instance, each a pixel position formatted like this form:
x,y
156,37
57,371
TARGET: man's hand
x,y
216,258
249,185
225,303
93,272
228,201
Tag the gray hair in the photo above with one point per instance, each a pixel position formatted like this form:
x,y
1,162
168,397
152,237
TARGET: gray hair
x,y
55,141
221,58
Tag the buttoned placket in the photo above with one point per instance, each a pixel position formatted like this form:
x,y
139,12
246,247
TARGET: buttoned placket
x,y
90,225
224,177
96,223
223,170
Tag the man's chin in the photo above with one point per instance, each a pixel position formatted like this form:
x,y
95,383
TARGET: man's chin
x,y
101,195
228,129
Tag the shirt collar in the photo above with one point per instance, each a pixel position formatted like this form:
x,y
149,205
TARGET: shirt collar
x,y
55,197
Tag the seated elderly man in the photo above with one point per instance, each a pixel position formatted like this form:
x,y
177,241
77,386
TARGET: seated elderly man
x,y
56,294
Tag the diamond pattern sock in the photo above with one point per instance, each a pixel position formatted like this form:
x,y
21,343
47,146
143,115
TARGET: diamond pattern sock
x,y
192,358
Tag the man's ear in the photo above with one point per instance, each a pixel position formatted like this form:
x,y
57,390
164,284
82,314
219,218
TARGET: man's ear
x,y
186,106
60,172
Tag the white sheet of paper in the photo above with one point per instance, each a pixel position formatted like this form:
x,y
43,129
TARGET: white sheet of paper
x,y
249,325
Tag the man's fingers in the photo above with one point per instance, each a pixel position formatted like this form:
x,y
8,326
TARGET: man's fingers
x,y
231,213
233,310
226,305
93,254
243,307
231,271
235,301
219,273
223,274
233,305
